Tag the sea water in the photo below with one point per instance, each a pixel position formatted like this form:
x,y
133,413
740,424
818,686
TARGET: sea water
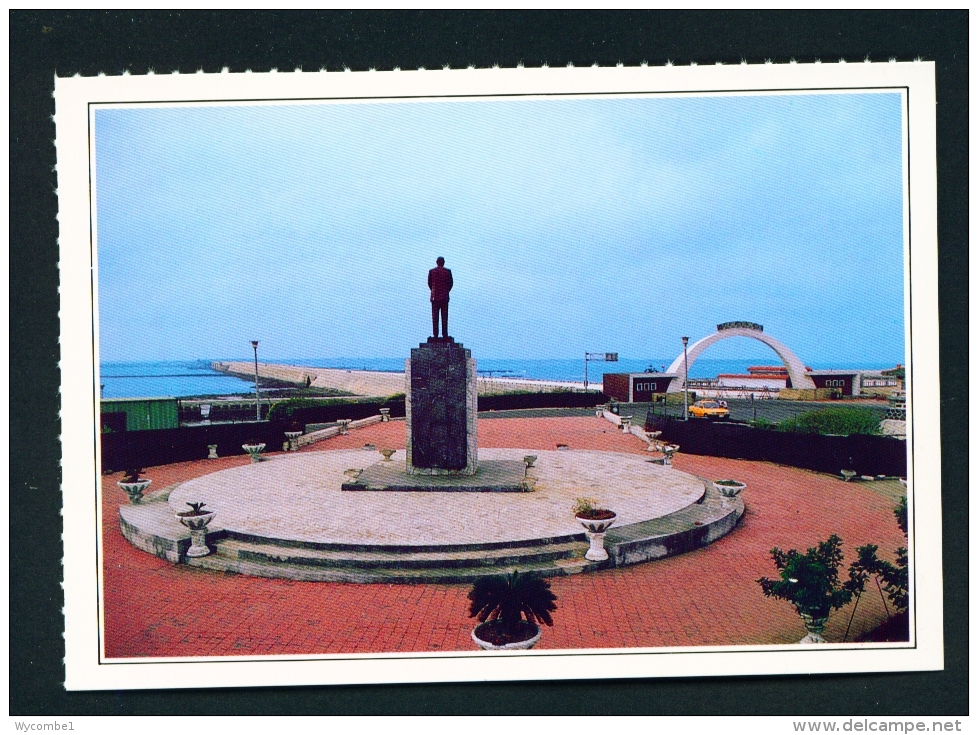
x,y
196,378
174,379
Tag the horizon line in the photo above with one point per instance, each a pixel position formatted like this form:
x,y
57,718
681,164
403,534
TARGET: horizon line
x,y
250,358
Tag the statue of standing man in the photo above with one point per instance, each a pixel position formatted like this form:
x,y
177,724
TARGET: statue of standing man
x,y
440,283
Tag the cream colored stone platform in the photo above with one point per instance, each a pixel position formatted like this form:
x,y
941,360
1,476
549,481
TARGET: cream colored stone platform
x,y
298,498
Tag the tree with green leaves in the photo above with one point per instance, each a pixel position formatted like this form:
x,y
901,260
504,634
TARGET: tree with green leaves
x,y
894,579
809,581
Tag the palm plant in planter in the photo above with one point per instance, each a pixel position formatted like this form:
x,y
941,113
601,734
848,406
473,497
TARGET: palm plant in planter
x,y
810,582
510,608
133,485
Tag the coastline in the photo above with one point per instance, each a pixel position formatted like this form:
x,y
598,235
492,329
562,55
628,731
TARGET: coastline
x,y
373,377
377,383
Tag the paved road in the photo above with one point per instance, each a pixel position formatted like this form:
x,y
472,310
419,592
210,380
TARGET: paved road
x,y
740,410
774,410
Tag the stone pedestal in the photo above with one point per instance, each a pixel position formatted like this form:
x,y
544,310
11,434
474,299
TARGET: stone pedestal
x,y
441,402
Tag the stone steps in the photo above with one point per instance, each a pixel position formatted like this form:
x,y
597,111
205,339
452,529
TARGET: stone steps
x,y
270,552
152,528
432,574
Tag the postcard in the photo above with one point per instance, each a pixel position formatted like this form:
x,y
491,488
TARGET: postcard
x,y
499,374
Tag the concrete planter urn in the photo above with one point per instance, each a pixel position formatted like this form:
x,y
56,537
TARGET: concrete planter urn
x,y
486,628
729,488
385,414
388,453
196,521
212,451
135,489
254,451
815,628
344,425
667,452
293,437
596,528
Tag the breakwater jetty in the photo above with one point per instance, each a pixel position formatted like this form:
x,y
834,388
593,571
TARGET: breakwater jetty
x,y
377,383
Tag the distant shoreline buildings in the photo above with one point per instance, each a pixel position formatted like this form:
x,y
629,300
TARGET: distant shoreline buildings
x,y
760,381
791,380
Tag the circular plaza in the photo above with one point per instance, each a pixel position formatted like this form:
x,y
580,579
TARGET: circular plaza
x,y
288,516
298,498
706,597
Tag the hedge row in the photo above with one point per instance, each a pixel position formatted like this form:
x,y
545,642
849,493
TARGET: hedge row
x,y
865,454
299,412
127,449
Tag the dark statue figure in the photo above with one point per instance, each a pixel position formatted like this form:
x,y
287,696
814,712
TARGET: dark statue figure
x,y
440,283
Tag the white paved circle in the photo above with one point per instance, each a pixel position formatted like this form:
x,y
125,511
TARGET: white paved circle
x,y
298,497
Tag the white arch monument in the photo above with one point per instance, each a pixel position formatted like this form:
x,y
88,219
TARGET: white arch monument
x,y
796,368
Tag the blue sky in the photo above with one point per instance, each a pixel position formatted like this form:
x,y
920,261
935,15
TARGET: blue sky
x,y
569,224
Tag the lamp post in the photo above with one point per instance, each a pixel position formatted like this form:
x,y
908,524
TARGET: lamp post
x,y
254,345
685,381
605,356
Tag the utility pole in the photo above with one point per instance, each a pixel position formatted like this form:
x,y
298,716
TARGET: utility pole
x,y
605,356
254,345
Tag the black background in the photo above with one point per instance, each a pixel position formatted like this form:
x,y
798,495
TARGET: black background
x,y
43,43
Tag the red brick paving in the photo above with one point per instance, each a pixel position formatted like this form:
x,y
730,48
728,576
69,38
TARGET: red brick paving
x,y
704,598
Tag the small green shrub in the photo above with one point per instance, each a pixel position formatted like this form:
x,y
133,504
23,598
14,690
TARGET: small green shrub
x,y
763,423
132,474
589,509
283,410
836,420
584,505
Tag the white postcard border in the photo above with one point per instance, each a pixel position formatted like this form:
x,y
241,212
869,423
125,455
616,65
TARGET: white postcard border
x,y
85,668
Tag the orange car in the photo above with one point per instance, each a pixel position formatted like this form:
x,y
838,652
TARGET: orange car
x,y
709,410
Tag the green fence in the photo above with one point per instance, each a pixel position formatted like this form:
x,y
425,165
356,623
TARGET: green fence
x,y
142,414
